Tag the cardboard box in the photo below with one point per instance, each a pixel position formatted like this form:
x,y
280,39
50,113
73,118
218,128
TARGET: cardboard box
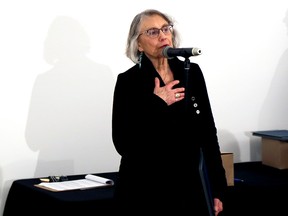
x,y
275,153
228,163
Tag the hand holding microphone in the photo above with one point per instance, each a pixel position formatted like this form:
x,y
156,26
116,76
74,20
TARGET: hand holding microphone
x,y
169,52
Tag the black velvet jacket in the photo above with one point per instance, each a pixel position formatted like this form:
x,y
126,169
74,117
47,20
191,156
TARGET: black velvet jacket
x,y
159,144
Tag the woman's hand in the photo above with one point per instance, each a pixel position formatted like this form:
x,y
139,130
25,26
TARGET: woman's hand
x,y
218,206
167,93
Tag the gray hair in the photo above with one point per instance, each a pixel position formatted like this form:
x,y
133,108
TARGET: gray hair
x,y
132,51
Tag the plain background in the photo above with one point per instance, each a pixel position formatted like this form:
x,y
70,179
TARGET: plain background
x,y
60,60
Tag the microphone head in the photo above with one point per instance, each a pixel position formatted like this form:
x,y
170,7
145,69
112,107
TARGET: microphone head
x,y
165,52
196,51
169,52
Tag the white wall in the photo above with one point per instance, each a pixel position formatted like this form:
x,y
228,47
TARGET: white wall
x,y
56,118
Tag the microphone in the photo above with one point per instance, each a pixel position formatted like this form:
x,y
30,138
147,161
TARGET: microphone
x,y
169,52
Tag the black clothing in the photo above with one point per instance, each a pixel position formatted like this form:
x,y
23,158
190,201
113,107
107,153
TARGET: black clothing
x,y
159,144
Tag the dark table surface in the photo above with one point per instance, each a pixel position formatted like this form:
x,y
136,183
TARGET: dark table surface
x,y
27,199
259,190
262,191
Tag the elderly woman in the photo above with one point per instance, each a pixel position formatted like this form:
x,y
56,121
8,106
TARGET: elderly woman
x,y
161,121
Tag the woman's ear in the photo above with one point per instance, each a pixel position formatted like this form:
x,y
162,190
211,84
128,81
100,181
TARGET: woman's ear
x,y
140,49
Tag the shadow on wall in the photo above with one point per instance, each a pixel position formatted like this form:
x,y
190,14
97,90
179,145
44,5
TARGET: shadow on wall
x,y
2,201
69,119
229,143
255,147
273,113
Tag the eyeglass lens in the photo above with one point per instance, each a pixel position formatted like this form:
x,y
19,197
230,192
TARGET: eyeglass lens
x,y
154,32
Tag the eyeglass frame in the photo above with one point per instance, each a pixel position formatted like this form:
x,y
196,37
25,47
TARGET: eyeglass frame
x,y
169,30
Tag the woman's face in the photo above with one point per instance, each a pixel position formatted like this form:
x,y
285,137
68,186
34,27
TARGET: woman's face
x,y
149,41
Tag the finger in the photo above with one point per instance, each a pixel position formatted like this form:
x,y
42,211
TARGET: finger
x,y
172,83
179,94
157,82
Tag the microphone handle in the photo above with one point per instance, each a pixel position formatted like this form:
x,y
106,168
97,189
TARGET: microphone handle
x,y
170,52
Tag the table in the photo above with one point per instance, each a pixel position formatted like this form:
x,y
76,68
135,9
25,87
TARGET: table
x,y
263,192
26,199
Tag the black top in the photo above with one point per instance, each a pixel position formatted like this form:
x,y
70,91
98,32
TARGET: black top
x,y
157,141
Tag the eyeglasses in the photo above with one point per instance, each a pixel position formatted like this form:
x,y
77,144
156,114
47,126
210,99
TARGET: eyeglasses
x,y
154,32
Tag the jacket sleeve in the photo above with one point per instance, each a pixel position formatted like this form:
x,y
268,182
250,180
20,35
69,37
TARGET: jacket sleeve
x,y
131,119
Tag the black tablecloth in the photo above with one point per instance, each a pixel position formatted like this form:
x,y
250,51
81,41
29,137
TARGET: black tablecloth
x,y
26,199
263,191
